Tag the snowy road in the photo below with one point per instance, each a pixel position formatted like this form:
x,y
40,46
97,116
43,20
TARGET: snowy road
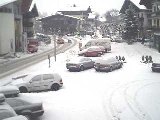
x,y
130,93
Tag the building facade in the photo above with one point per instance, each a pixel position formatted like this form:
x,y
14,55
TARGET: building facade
x,y
142,14
154,17
12,24
60,24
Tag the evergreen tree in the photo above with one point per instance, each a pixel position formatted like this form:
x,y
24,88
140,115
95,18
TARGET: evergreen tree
x,y
130,25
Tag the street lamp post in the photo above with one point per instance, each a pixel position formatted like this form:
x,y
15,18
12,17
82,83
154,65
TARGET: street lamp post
x,y
54,38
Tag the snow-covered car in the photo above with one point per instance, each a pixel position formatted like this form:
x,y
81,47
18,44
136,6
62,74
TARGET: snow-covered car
x,y
60,41
19,117
25,108
93,51
7,112
80,64
38,82
9,90
107,64
155,67
32,48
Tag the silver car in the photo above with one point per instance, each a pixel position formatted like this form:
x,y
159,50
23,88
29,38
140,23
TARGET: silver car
x,y
9,91
38,82
80,64
107,64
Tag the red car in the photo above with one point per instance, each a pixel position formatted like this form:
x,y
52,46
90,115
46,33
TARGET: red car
x,y
93,51
32,48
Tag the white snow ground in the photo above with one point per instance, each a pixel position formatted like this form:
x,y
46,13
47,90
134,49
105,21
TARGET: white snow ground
x,y
130,93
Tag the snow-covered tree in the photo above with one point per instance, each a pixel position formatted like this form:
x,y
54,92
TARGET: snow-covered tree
x,y
130,25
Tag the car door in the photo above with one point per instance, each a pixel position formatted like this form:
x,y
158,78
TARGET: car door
x,y
47,81
35,83
91,52
115,63
89,63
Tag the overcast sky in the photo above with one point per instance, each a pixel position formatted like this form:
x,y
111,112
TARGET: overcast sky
x,y
100,6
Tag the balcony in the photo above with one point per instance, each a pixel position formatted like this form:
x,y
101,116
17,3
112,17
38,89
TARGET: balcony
x,y
154,28
28,24
155,14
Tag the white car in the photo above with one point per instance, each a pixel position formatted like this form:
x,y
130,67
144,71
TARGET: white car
x,y
38,82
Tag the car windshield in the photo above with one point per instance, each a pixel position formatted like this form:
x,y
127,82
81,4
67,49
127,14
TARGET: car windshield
x,y
105,53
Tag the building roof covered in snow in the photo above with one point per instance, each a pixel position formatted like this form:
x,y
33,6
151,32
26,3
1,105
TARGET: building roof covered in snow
x,y
137,7
5,2
75,10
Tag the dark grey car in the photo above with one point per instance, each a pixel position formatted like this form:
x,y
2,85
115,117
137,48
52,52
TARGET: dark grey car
x,y
80,64
107,64
7,112
23,107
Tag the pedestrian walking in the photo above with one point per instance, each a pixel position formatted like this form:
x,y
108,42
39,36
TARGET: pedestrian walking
x,y
49,61
123,58
150,59
143,39
142,58
119,58
146,59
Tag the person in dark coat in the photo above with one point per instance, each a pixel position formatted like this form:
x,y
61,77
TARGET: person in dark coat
x,y
143,58
150,59
143,39
123,58
146,58
119,58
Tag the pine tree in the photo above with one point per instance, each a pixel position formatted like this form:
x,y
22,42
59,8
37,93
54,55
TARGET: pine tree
x,y
130,25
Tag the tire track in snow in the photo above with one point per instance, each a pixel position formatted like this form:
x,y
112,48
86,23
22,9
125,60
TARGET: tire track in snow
x,y
114,113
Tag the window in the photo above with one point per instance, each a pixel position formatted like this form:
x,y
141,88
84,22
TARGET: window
x,y
48,76
36,78
141,14
154,8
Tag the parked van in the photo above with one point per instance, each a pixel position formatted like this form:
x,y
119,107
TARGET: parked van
x,y
105,42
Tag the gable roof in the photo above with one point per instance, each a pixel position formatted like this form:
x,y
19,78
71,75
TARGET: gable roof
x,y
136,6
60,15
147,3
24,6
5,2
75,10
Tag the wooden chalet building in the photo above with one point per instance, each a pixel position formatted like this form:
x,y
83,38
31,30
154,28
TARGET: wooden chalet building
x,y
154,7
142,13
78,13
60,24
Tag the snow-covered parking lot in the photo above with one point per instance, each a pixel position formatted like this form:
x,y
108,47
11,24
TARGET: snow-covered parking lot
x,y
129,93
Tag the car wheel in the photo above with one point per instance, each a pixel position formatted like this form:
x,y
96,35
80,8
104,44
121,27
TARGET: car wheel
x,y
81,68
110,69
23,90
153,70
120,66
55,87
99,55
97,70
